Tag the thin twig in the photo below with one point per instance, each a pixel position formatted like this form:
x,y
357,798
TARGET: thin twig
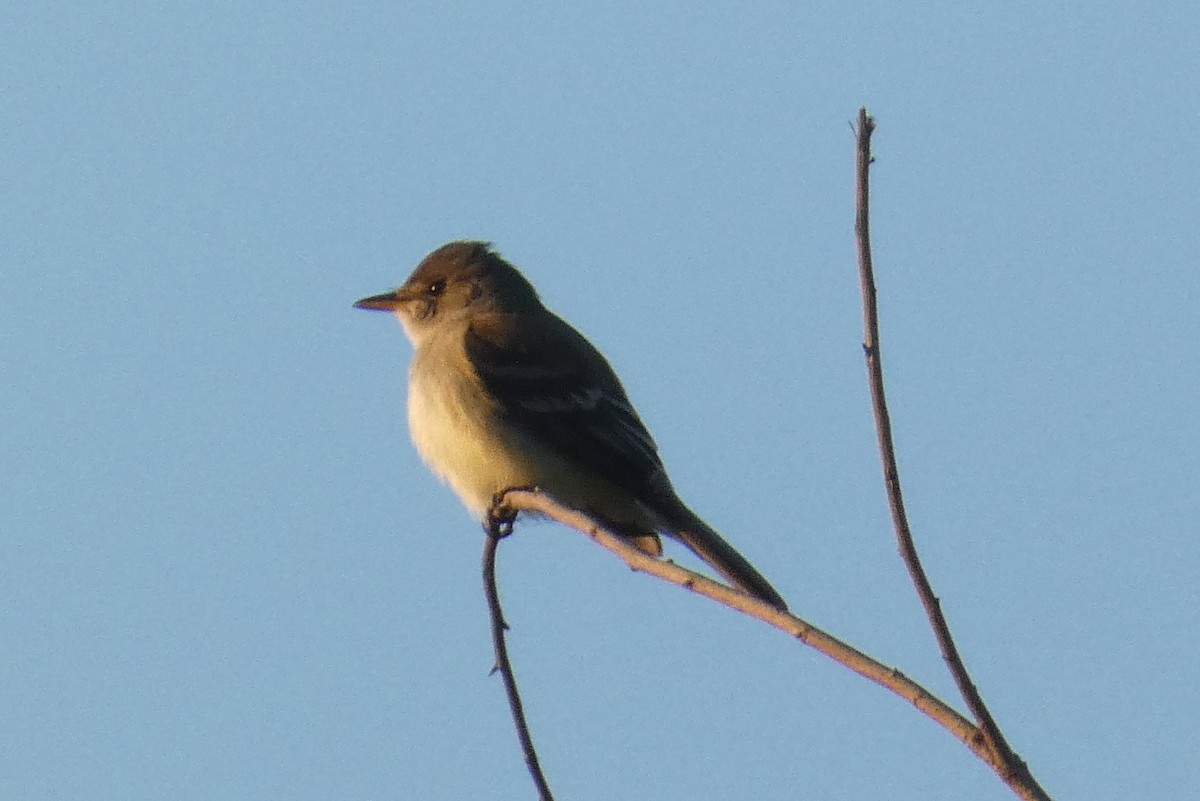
x,y
1006,762
642,562
498,526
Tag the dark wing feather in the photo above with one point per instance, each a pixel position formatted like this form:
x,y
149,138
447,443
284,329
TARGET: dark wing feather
x,y
551,382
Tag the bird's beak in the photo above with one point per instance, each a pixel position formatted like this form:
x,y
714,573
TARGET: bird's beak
x,y
388,302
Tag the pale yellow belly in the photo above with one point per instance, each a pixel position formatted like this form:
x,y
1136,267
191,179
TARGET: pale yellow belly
x,y
479,455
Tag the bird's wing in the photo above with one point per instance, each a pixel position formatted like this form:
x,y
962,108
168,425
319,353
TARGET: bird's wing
x,y
551,382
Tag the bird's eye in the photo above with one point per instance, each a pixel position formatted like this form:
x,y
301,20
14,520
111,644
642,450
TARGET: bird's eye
x,y
436,288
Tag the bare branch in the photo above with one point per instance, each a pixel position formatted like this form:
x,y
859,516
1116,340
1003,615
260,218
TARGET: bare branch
x,y
499,525
642,562
1003,759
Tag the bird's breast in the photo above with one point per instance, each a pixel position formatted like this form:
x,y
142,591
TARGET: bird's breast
x,y
458,432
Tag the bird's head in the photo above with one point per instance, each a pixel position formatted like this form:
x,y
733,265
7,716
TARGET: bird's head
x,y
457,279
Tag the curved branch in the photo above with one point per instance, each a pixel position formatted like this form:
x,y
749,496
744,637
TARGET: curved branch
x,y
499,526
1011,768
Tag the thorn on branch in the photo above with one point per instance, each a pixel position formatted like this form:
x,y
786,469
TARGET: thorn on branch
x,y
499,524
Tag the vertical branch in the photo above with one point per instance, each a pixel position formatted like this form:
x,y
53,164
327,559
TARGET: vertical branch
x,y
499,526
1010,766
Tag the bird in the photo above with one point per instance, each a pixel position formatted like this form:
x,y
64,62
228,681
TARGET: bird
x,y
503,393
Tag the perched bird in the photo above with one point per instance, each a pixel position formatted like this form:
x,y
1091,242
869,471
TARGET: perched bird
x,y
503,393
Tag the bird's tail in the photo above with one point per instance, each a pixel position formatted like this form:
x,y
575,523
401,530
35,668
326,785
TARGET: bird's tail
x,y
722,557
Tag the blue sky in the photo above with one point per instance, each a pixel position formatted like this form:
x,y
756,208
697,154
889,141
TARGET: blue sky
x,y
224,573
